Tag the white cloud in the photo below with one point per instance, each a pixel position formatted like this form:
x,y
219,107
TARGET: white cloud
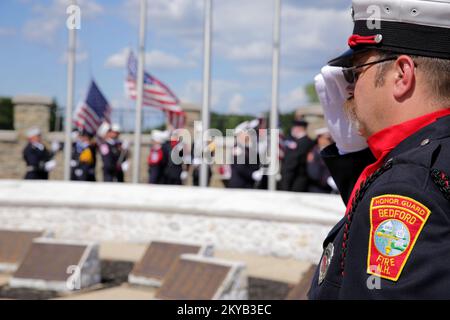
x,y
252,51
192,92
119,102
220,91
79,57
40,30
243,29
265,70
294,99
160,60
6,32
48,19
312,32
181,17
236,103
118,60
155,59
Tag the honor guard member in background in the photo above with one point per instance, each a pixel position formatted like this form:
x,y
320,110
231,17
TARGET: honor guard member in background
x,y
245,157
156,161
83,158
174,173
38,159
114,153
318,173
394,239
293,168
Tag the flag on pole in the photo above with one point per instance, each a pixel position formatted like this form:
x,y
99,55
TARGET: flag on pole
x,y
93,111
156,94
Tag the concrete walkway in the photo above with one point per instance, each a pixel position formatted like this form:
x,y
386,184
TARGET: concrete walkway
x,y
124,292
265,267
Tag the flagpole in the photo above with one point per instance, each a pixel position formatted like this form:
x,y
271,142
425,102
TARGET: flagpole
x,y
140,87
69,104
275,97
206,89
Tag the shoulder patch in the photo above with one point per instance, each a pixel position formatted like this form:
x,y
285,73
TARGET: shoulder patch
x,y
104,149
395,224
291,144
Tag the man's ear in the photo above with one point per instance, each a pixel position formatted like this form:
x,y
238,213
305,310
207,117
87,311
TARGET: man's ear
x,y
405,78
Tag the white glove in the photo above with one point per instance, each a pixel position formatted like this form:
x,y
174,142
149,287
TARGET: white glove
x,y
332,184
257,175
331,88
184,175
50,165
125,145
55,146
125,166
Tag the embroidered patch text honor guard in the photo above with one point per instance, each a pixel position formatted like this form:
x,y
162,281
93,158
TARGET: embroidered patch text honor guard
x,y
395,224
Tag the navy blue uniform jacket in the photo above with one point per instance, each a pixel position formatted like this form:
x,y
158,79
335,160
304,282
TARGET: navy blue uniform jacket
x,y
416,170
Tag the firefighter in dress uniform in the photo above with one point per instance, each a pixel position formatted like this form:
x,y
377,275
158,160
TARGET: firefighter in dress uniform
x,y
38,158
245,169
83,157
391,156
114,154
296,148
156,160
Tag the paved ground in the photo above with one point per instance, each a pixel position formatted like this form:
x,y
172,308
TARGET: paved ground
x,y
3,279
284,270
268,276
124,292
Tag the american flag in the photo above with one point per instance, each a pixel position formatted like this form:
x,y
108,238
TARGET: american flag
x,y
156,94
93,111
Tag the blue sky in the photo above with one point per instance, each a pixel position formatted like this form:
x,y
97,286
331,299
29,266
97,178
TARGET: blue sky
x,y
33,41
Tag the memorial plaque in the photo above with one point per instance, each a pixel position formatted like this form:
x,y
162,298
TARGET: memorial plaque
x,y
159,258
58,265
199,278
300,291
14,244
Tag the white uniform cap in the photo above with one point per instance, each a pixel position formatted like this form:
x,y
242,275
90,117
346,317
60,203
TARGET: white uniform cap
x,y
116,127
32,132
103,129
253,124
158,136
413,27
321,131
246,126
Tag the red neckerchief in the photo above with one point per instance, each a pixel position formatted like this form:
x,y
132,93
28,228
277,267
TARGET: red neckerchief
x,y
173,143
384,141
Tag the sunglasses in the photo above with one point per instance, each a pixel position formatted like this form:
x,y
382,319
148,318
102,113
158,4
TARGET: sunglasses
x,y
351,75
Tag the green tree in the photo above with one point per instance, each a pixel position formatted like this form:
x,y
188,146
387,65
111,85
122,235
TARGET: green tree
x,y
223,122
53,115
6,114
310,90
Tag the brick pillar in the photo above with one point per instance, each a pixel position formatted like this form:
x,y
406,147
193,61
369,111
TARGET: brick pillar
x,y
31,111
